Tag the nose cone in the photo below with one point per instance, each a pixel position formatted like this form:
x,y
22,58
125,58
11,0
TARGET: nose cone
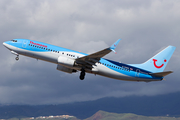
x,y
4,43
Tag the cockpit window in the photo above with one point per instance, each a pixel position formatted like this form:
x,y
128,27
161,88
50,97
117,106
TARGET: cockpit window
x,y
14,40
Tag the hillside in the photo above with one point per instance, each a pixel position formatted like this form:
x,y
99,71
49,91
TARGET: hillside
x,y
102,115
160,105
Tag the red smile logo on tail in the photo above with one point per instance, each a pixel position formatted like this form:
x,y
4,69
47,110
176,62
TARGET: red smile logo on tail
x,y
158,66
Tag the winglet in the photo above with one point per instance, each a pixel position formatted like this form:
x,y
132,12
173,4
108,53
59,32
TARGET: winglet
x,y
114,45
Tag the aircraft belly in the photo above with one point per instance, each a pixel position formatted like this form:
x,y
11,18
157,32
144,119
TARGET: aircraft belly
x,y
46,56
105,71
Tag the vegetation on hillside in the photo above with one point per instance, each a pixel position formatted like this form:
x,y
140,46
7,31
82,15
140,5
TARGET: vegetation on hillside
x,y
102,115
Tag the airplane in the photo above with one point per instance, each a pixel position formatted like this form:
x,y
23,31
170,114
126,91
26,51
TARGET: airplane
x,y
71,61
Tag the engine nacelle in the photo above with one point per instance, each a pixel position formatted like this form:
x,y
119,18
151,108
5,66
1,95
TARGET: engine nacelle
x,y
65,69
64,61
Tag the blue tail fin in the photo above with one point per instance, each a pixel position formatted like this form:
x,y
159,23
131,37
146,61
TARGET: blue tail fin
x,y
158,62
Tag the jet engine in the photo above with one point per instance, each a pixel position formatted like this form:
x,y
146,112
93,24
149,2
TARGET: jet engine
x,y
65,69
64,61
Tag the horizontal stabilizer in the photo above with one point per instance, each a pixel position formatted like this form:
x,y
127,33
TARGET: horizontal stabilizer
x,y
161,74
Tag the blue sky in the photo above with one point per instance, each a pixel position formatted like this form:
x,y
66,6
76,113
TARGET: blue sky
x,y
145,27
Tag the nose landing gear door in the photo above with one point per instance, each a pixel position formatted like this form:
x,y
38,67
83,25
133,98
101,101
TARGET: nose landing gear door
x,y
24,44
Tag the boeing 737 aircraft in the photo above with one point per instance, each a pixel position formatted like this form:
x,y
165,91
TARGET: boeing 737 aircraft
x,y
72,61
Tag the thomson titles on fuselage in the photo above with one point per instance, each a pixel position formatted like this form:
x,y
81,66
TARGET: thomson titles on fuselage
x,y
31,42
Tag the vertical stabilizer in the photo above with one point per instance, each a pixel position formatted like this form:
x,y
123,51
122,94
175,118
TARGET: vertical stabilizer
x,y
158,62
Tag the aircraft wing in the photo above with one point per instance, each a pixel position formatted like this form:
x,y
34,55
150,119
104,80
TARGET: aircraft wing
x,y
92,59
